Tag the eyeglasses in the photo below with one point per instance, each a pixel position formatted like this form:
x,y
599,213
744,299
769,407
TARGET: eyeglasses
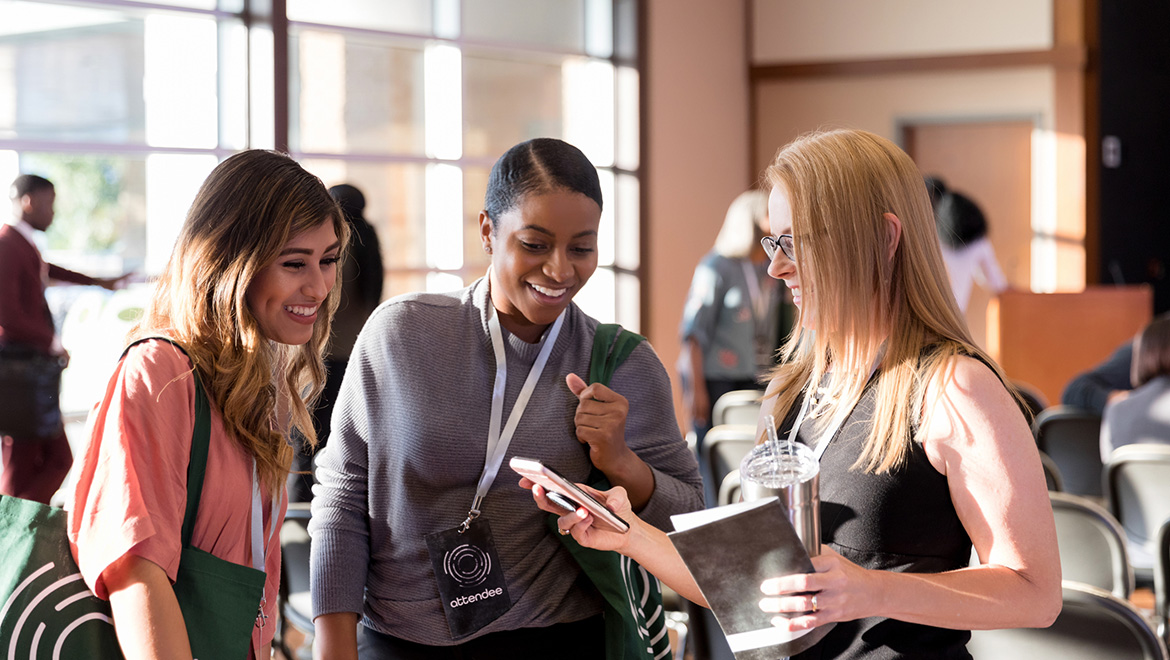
x,y
784,242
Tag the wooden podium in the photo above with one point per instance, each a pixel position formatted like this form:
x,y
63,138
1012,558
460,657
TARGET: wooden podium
x,y
1045,339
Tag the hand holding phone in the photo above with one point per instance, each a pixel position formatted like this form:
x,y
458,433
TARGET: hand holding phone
x,y
565,493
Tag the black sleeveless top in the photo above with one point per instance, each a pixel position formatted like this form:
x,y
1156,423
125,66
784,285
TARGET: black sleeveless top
x,y
902,520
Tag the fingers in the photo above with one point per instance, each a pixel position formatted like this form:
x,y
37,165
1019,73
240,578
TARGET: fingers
x,y
795,603
576,384
790,584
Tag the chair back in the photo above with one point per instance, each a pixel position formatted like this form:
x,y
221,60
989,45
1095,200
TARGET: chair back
x,y
1031,401
729,489
1092,625
1071,437
724,448
737,407
1162,583
1138,479
1092,545
1052,477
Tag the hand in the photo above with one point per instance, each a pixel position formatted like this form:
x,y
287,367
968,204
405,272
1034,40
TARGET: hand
x,y
113,283
601,422
843,590
580,522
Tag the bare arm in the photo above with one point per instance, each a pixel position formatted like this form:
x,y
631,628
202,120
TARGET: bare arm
x,y
978,439
146,613
336,636
644,543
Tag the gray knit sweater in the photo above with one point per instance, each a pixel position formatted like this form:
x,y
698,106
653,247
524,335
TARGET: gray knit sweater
x,y
408,445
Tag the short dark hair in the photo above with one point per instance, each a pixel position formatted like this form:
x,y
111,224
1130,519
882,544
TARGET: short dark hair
x,y
1151,352
959,220
538,166
27,184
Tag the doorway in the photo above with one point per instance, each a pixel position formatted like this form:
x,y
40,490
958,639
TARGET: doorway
x,y
990,162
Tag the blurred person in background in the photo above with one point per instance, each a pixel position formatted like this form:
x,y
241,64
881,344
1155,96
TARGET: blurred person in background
x,y
361,280
966,249
32,467
1140,415
731,325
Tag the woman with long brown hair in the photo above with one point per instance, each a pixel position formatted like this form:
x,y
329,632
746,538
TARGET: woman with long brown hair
x,y
242,313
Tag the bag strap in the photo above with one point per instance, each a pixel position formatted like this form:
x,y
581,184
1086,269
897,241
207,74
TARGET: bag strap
x,y
612,344
200,443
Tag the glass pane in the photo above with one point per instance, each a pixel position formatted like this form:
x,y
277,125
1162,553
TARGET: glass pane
x,y
626,149
629,302
627,206
99,227
395,205
355,94
509,100
596,298
625,38
406,16
474,188
599,28
558,24
589,108
606,232
76,74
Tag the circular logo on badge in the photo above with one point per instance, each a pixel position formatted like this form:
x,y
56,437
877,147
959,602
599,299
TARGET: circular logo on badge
x,y
467,565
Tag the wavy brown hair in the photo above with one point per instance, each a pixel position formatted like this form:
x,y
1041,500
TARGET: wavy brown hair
x,y
840,185
249,207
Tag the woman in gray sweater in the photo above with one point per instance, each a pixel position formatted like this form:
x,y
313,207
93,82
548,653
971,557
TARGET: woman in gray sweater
x,y
414,536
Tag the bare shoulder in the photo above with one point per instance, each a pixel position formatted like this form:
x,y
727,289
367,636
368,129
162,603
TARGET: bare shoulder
x,y
969,409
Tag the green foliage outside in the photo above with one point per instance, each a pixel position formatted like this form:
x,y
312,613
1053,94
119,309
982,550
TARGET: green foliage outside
x,y
88,216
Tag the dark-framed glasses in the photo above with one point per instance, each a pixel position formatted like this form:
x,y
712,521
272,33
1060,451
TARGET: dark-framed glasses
x,y
783,242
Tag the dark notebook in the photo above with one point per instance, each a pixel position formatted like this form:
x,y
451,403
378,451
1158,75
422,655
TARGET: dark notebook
x,y
730,550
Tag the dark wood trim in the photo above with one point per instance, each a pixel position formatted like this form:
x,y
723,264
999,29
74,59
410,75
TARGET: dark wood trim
x,y
280,74
1092,132
1061,56
644,167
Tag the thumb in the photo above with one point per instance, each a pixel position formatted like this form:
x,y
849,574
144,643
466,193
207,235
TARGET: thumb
x,y
576,385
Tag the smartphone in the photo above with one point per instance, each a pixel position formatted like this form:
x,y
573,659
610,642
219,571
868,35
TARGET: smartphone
x,y
555,484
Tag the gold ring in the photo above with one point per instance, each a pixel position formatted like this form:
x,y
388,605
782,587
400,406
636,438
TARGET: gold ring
x,y
814,603
563,532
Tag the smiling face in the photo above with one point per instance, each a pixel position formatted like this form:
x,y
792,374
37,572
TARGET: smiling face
x,y
544,250
286,296
783,268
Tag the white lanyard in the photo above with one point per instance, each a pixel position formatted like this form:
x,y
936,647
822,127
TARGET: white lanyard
x,y
498,441
830,432
753,285
258,545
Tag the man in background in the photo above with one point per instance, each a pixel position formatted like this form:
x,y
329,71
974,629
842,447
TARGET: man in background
x,y
32,467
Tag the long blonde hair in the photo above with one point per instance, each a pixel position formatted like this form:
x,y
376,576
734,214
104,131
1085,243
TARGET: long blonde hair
x,y
741,233
840,185
246,211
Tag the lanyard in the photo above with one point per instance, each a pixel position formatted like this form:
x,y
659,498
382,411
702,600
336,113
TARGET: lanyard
x,y
258,521
830,432
498,440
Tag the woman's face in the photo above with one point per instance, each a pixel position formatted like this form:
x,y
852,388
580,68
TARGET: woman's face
x,y
543,251
783,268
286,295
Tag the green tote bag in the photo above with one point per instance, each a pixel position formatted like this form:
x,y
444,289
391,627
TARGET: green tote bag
x,y
635,622
48,612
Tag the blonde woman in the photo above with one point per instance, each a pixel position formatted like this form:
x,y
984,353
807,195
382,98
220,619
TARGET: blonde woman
x,y
932,454
248,295
731,319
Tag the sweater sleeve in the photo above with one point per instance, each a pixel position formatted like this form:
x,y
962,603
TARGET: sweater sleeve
x,y
340,554
702,307
653,434
1090,390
